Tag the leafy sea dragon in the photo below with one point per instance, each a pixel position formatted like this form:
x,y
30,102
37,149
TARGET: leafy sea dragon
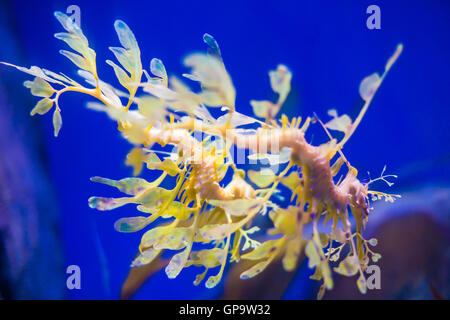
x,y
202,207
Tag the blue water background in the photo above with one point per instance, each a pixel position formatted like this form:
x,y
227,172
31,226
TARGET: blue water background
x,y
324,43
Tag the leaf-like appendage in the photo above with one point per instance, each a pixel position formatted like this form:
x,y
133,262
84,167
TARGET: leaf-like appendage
x,y
213,45
40,88
154,235
177,263
131,224
152,108
121,75
262,178
217,87
167,165
313,255
293,249
37,72
341,123
145,257
209,258
237,207
255,270
262,251
57,122
273,158
394,57
42,107
218,231
264,109
153,197
285,220
129,57
175,239
76,40
69,25
369,86
292,181
280,80
104,204
362,284
237,119
158,69
348,267
131,186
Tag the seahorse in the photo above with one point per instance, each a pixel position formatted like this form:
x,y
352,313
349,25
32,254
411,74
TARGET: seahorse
x,y
204,207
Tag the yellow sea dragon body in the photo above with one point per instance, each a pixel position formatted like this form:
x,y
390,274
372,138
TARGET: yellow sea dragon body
x,y
202,208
